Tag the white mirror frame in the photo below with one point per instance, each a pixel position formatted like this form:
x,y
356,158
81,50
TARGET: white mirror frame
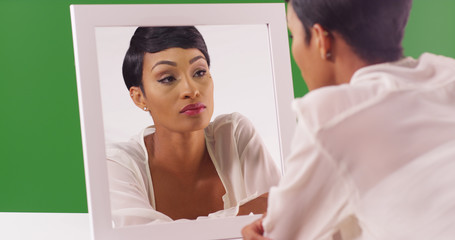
x,y
85,18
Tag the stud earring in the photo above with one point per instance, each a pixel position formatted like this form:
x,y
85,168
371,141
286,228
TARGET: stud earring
x,y
326,56
145,108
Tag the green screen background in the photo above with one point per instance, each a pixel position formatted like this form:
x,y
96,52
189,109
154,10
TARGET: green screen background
x,y
41,164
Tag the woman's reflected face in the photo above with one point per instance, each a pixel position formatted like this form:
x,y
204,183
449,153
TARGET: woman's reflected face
x,y
178,89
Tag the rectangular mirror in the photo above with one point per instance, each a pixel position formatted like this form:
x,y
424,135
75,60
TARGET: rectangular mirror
x,y
240,68
251,72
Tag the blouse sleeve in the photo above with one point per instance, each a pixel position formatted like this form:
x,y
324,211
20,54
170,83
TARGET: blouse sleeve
x,y
130,202
260,171
312,196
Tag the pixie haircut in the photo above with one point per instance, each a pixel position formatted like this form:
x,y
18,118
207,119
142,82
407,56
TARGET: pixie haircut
x,y
373,28
156,39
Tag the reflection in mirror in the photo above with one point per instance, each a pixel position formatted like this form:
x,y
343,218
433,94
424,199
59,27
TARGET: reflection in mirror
x,y
169,157
250,72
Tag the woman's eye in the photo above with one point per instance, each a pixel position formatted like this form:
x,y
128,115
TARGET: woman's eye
x,y
167,80
200,73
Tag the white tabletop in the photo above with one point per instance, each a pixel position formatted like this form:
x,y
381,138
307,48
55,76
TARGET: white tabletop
x,y
44,226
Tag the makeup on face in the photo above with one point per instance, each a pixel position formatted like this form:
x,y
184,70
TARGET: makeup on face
x,y
168,75
193,109
178,89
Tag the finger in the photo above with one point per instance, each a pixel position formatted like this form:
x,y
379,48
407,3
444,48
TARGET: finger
x,y
254,231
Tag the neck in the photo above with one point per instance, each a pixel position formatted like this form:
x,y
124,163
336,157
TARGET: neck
x,y
180,153
347,62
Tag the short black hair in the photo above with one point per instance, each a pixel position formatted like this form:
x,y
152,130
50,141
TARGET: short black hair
x,y
373,28
156,39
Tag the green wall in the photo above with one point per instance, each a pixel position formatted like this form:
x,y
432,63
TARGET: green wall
x,y
41,166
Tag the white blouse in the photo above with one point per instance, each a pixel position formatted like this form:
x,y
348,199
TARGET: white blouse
x,y
373,159
242,161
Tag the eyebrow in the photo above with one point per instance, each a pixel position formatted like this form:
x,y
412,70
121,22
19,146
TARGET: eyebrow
x,y
167,62
196,58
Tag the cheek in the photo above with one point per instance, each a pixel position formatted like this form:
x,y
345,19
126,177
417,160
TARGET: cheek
x,y
298,54
209,93
211,87
160,102
296,51
207,85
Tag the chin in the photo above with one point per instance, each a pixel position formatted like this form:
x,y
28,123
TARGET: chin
x,y
195,124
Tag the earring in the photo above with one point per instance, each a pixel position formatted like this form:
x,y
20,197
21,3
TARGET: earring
x,y
145,108
326,56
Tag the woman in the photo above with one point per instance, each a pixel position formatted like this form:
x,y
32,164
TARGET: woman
x,y
373,155
184,166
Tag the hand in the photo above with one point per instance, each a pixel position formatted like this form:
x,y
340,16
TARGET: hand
x,y
254,231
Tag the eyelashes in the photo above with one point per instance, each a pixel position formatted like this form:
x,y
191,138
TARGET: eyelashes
x,y
200,73
167,80
170,79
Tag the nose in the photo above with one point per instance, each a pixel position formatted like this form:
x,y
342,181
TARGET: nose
x,y
190,89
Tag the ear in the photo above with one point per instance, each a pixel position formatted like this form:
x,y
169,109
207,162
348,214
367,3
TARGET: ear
x,y
323,40
138,97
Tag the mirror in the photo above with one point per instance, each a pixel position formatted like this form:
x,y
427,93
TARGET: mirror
x,y
240,68
263,93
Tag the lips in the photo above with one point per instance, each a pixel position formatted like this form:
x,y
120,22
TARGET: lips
x,y
193,109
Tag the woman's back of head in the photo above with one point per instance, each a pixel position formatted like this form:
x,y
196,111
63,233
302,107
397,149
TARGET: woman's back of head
x,y
373,28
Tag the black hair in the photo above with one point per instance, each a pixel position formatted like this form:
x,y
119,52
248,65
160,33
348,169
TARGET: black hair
x,y
373,28
156,39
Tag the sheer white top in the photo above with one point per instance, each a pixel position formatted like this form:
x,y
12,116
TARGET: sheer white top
x,y
242,161
377,154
